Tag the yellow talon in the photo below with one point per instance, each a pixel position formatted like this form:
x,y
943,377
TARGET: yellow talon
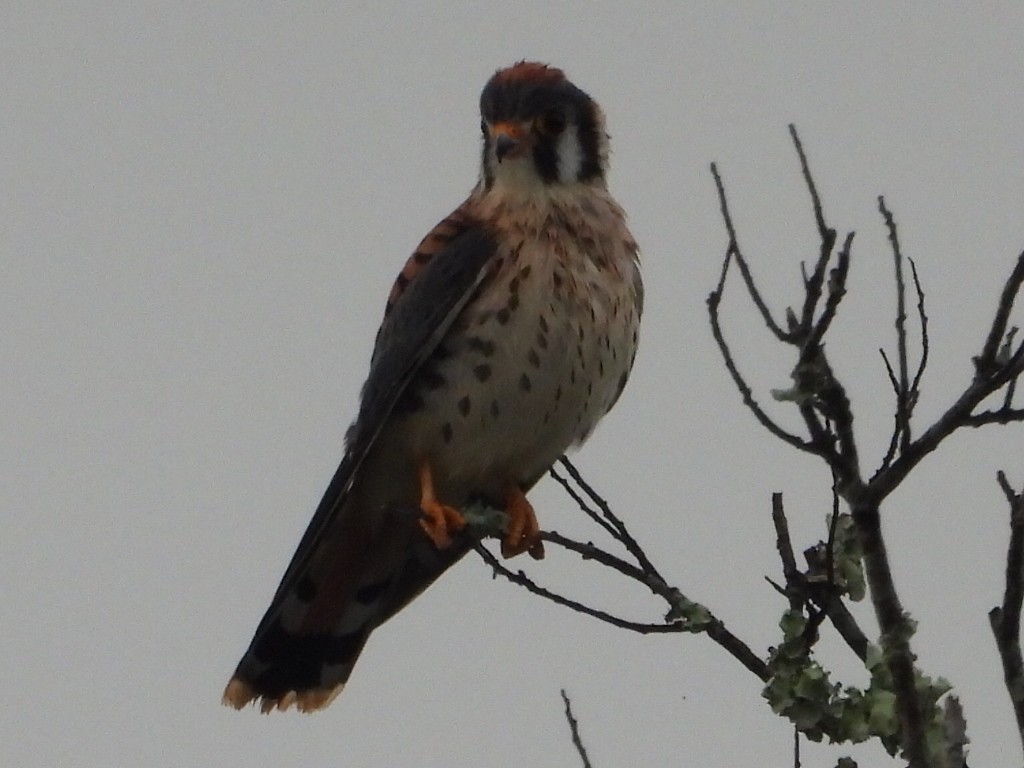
x,y
438,520
523,534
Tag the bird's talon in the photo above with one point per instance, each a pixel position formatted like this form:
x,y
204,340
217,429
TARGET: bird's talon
x,y
523,531
536,550
512,549
438,520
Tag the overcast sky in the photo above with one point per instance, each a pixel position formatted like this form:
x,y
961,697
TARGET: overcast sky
x,y
202,208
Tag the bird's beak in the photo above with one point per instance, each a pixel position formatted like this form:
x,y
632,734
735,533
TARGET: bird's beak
x,y
508,139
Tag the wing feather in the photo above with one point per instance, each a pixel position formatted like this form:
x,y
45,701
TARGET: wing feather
x,y
415,324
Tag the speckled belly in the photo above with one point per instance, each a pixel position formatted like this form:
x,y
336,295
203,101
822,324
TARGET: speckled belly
x,y
530,368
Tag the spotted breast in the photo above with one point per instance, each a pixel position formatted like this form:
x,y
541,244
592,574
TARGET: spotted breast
x,y
540,355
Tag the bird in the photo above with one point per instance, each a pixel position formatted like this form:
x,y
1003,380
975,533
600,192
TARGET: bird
x,y
508,334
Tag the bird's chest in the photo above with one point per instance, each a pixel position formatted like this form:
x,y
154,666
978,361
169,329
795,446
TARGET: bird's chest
x,y
535,360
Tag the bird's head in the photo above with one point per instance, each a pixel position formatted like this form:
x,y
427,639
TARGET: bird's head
x,y
540,130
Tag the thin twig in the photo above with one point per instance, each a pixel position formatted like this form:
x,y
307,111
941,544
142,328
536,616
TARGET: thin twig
x,y
922,317
1011,387
892,374
745,391
784,544
574,728
986,361
1011,390
589,551
623,534
836,292
1001,416
894,438
904,407
582,504
799,589
828,602
713,627
822,436
520,578
819,216
813,282
846,626
890,452
776,586
958,415
741,262
830,546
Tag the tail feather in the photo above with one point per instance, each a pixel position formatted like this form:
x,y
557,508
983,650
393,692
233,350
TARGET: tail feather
x,y
359,574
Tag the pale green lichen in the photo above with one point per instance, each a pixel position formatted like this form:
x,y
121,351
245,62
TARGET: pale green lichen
x,y
847,558
801,690
693,616
484,521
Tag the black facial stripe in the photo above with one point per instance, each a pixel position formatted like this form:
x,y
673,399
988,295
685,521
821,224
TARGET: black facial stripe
x,y
545,158
485,162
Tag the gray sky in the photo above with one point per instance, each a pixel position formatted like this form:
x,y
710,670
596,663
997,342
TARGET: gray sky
x,y
201,212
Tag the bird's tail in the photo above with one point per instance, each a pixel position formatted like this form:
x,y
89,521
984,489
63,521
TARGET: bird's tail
x,y
344,582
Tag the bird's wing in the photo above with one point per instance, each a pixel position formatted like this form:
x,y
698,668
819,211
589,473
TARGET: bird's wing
x,y
327,602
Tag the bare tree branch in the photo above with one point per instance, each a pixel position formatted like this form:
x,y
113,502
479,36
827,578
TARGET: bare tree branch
x,y
741,262
582,504
683,615
814,282
574,729
904,405
846,626
622,533
785,546
714,299
910,399
818,391
803,588
958,415
833,524
836,292
819,216
922,318
1002,416
520,578
894,438
1005,619
986,362
896,631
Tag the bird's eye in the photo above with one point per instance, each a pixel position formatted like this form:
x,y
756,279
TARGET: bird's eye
x,y
483,127
551,123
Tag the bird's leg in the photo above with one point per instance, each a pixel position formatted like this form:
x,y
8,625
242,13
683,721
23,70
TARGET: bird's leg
x,y
438,519
523,533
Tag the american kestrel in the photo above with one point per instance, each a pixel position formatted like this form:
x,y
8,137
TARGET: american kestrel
x,y
508,334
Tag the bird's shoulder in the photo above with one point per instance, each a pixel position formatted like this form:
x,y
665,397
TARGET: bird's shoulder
x,y
463,219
